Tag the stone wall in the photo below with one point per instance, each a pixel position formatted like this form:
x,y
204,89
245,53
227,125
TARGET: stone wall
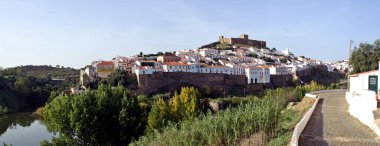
x,y
280,80
219,84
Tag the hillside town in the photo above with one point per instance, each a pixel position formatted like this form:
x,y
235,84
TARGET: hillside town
x,y
232,56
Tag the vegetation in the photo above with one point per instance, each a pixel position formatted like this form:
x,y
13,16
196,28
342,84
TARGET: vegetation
x,y
108,116
252,55
8,102
29,87
289,119
283,60
267,59
225,127
365,57
141,54
42,71
223,46
120,77
254,115
179,107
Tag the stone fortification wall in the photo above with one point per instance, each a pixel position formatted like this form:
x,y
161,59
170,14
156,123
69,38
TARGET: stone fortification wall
x,y
220,84
280,80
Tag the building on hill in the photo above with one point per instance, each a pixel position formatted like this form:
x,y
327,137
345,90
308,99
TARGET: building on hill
x,y
257,74
278,70
179,67
168,57
244,40
104,68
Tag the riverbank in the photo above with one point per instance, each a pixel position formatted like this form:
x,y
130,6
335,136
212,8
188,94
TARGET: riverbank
x,y
22,128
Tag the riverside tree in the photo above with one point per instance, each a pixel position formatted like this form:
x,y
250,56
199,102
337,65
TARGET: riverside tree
x,y
108,116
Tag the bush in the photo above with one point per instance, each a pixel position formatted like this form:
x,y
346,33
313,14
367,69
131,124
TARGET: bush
x,y
179,107
225,127
107,116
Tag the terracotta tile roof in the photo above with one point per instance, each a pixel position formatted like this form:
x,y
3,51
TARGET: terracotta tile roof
x,y
104,63
216,66
363,73
254,67
175,64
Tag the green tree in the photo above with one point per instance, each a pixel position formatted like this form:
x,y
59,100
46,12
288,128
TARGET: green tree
x,y
252,55
53,94
157,118
365,57
283,60
160,53
107,116
23,86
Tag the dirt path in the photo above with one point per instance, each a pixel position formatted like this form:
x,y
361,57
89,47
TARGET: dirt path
x,y
331,124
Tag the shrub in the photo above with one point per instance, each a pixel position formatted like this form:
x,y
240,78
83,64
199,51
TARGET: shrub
x,y
225,127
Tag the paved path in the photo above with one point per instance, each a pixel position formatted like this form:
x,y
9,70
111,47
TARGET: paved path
x,y
331,124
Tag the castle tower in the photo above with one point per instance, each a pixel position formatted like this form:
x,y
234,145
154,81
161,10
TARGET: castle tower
x,y
221,39
244,36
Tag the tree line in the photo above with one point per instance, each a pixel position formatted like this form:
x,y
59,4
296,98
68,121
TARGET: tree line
x,y
365,57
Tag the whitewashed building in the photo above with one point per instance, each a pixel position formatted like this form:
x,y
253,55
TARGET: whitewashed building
x,y
257,75
179,67
144,70
208,52
278,70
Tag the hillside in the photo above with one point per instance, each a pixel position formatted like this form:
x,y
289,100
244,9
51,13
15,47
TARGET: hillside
x,y
41,71
8,101
29,87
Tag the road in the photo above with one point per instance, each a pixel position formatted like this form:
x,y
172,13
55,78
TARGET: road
x,y
331,124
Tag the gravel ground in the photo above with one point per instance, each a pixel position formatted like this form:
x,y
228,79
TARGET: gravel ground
x,y
331,124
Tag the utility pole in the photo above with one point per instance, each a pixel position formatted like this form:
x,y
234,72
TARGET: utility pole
x,y
348,71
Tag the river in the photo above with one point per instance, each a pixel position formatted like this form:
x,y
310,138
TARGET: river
x,y
22,129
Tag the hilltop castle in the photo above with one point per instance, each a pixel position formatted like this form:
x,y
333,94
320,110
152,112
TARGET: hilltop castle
x,y
243,40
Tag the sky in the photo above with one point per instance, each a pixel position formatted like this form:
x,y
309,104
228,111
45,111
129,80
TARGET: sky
x,y
73,33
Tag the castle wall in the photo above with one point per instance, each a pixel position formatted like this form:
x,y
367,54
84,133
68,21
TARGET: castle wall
x,y
220,84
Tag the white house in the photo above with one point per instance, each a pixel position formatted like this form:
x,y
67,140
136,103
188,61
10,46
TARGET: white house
x,y
364,81
257,75
208,52
179,67
144,70
238,59
278,70
237,69
216,69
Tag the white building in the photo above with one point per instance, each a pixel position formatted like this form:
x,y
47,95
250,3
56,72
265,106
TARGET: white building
x,y
286,52
144,70
278,70
257,75
216,69
239,59
208,52
363,81
179,67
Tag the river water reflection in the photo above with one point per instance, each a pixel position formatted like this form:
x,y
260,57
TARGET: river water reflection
x,y
22,129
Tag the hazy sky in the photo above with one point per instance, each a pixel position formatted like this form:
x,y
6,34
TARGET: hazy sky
x,y
75,32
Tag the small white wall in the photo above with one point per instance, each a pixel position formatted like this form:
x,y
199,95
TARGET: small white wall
x,y
361,106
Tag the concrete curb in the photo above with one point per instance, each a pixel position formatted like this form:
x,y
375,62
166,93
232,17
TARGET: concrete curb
x,y
305,119
302,124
